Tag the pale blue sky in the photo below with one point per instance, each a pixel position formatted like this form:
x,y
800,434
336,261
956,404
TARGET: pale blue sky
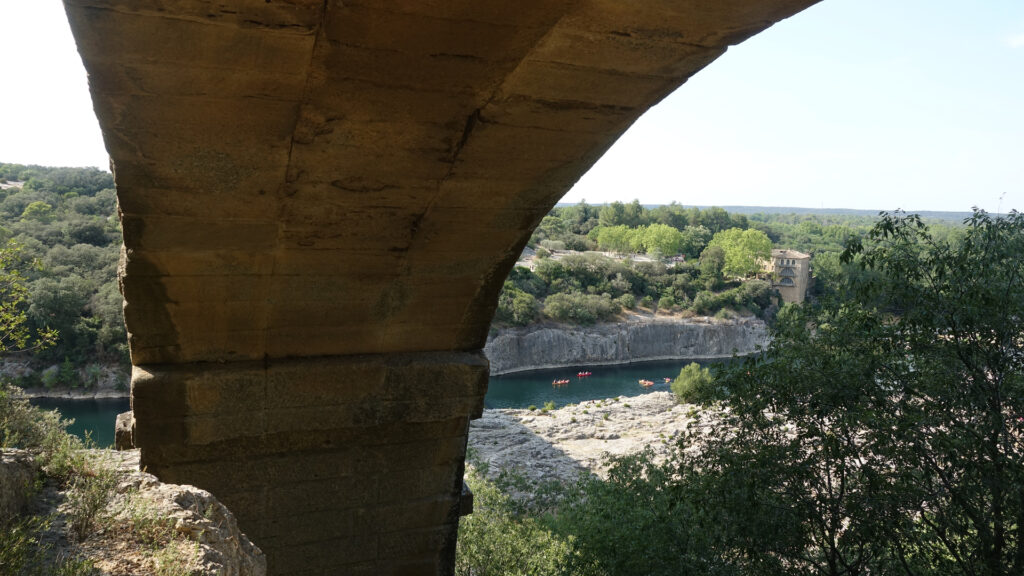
x,y
875,104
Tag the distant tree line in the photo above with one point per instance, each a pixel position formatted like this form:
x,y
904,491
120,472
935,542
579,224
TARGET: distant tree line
x,y
703,261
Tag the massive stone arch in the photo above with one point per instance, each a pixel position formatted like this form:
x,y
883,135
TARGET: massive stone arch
x,y
320,201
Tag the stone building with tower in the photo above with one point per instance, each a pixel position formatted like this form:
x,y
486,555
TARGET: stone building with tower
x,y
790,273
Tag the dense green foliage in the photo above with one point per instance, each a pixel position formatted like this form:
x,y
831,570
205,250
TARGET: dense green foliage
x,y
502,537
879,434
65,219
15,332
698,261
744,250
589,287
701,258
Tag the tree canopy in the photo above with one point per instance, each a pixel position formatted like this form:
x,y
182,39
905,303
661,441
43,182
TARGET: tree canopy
x,y
65,220
746,251
883,434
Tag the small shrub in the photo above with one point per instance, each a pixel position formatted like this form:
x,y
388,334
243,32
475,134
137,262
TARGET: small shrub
x,y
50,376
549,405
627,301
73,567
19,544
725,314
666,303
93,372
91,491
68,375
580,308
25,426
145,525
531,407
174,558
695,385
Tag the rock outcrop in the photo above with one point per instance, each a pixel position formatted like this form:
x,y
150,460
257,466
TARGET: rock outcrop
x,y
637,339
18,472
578,438
220,546
148,526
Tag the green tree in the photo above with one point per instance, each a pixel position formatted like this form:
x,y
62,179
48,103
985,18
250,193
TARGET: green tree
x,y
500,538
38,211
714,219
745,250
662,238
15,332
580,308
515,306
619,238
712,262
694,239
884,432
694,385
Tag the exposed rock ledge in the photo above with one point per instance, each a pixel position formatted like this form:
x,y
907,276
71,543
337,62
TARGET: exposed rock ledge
x,y
209,542
562,443
638,338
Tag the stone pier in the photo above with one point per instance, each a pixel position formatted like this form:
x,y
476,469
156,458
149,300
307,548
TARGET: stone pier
x,y
346,465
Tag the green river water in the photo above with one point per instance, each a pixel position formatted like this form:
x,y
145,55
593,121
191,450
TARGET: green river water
x,y
519,390
95,416
523,389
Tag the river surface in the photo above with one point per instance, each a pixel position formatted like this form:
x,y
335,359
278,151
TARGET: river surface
x,y
519,390
525,389
95,416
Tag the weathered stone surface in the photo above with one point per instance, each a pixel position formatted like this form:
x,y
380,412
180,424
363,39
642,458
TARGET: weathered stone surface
x,y
322,459
18,472
124,431
222,547
561,444
537,347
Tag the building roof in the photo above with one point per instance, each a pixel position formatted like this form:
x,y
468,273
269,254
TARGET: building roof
x,y
784,253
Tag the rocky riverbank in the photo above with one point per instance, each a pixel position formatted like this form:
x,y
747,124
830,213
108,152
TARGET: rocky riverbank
x,y
560,444
637,338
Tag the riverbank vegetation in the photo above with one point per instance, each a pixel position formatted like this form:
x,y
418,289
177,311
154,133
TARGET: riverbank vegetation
x,y
877,434
594,262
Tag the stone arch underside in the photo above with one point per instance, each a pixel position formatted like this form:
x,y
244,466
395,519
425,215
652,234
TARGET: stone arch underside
x,y
320,202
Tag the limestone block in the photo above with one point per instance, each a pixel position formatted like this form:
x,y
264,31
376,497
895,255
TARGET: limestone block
x,y
124,431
